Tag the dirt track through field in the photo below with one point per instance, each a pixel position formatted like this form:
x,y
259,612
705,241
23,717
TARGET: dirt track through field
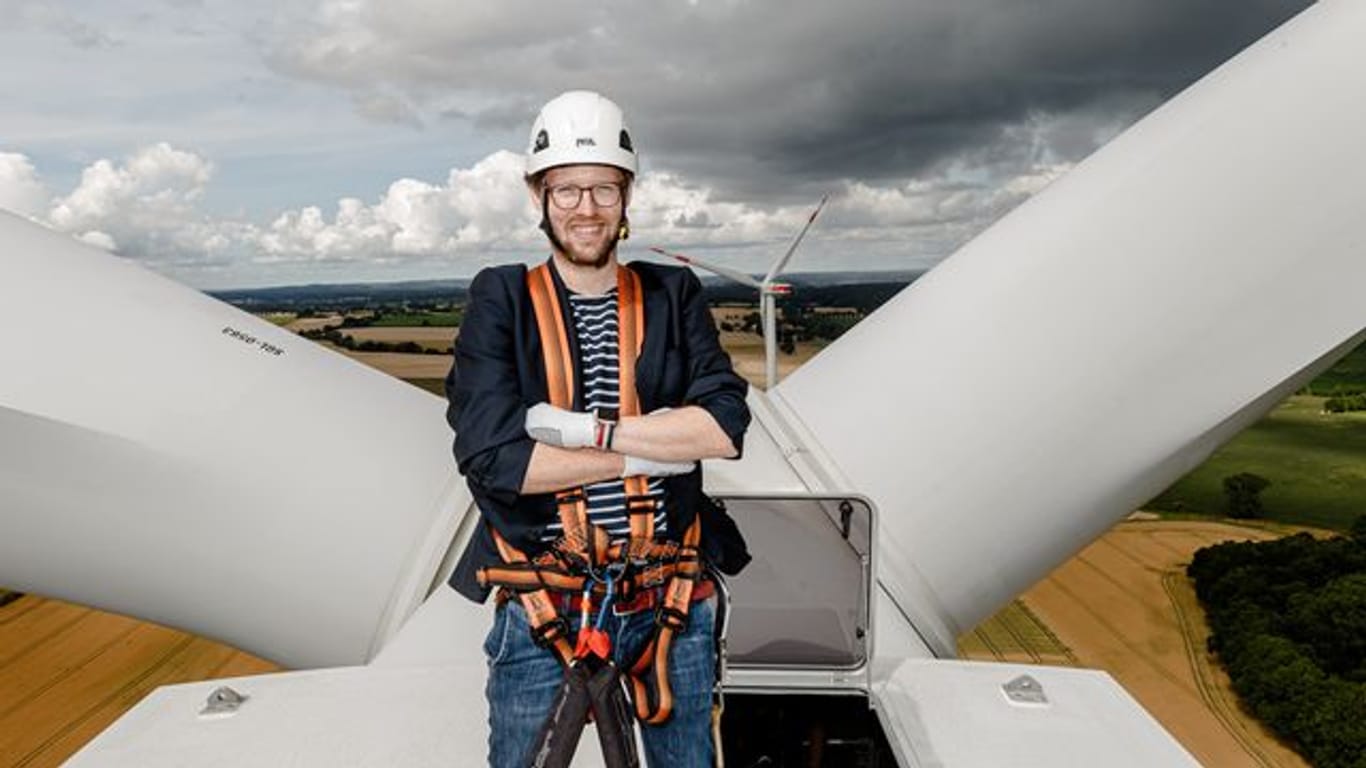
x,y
1124,605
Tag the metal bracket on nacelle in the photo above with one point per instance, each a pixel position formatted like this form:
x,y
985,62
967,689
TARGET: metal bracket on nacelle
x,y
223,702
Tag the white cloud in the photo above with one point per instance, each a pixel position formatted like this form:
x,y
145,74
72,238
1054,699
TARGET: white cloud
x,y
920,220
21,191
480,209
148,207
144,207
484,211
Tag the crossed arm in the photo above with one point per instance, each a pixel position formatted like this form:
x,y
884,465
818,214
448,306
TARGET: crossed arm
x,y
683,434
488,413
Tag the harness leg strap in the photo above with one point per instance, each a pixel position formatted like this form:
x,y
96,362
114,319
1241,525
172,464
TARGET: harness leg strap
x,y
559,737
612,712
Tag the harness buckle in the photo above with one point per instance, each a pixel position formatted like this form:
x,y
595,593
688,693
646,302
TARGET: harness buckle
x,y
548,633
640,504
571,496
671,618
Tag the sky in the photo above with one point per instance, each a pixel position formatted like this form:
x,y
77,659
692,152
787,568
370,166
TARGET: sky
x,y
250,143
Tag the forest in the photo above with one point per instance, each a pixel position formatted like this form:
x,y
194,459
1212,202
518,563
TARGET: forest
x,y
1288,622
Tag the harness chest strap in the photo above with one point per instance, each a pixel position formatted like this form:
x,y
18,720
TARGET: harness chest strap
x,y
572,504
583,545
640,506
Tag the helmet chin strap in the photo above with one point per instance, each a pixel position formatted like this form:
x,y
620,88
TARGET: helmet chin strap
x,y
623,231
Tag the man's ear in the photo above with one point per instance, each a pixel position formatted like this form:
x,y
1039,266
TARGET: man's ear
x,y
533,188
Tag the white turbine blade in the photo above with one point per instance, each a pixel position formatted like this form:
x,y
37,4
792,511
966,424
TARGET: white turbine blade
x,y
219,476
727,272
1159,298
791,249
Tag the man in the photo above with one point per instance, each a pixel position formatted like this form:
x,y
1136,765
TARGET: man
x,y
525,458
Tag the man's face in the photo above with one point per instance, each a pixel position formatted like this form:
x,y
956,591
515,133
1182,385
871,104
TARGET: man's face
x,y
587,231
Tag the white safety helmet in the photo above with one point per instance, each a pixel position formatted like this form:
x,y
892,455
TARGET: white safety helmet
x,y
579,127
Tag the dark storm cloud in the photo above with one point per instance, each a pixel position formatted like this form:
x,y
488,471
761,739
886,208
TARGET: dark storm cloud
x,y
753,97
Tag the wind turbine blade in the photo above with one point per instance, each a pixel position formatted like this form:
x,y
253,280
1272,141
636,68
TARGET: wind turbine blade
x,y
224,455
727,272
1251,318
791,249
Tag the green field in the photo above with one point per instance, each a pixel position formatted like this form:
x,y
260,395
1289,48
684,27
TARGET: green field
x,y
450,319
1347,377
1316,463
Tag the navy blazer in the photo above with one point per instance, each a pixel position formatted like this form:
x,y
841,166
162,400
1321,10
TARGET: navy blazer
x,y
499,372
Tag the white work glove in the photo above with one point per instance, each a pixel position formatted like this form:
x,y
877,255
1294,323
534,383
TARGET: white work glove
x,y
634,465
555,426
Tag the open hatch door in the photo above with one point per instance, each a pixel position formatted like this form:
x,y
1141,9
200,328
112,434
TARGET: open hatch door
x,y
800,615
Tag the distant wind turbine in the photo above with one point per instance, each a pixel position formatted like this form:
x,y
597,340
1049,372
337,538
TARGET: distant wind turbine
x,y
768,289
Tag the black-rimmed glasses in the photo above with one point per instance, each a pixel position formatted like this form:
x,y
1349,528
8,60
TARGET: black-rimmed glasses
x,y
567,197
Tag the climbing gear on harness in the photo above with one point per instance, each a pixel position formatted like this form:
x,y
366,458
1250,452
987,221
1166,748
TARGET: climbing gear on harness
x,y
592,684
645,599
587,688
584,560
558,739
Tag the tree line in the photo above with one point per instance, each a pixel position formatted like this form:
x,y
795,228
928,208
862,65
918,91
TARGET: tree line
x,y
1344,403
1288,622
332,335
798,323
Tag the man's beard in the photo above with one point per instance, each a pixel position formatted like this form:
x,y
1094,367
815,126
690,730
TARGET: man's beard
x,y
594,260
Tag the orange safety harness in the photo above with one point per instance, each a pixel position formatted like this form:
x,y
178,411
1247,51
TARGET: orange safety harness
x,y
583,560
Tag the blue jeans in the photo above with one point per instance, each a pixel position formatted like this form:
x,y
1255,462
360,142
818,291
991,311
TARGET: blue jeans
x,y
523,679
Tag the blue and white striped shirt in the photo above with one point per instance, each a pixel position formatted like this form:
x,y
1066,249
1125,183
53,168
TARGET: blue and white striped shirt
x,y
595,322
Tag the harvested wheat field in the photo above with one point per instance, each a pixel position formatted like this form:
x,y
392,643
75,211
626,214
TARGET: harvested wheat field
x,y
313,323
430,338
1124,605
1016,635
67,672
401,365
747,355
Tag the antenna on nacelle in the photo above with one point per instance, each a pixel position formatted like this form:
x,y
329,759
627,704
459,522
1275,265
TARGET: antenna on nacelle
x,y
768,289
